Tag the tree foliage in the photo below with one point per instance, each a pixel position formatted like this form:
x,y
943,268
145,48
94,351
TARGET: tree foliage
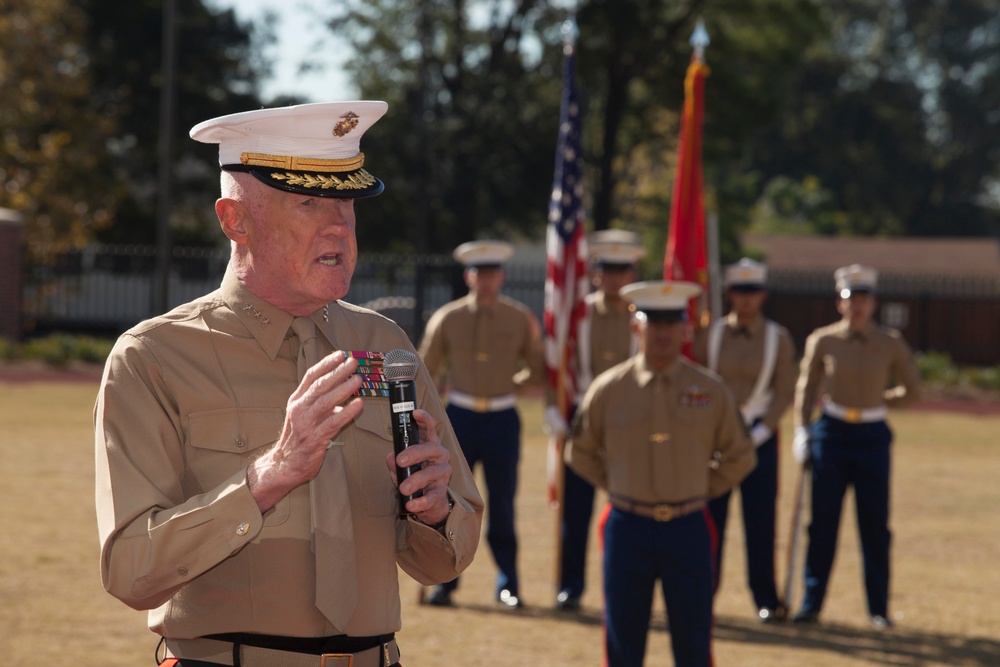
x,y
53,157
856,117
81,85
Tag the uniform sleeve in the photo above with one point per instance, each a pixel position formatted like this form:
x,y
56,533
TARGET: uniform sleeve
x,y
735,456
153,539
782,382
432,348
906,375
584,451
532,353
431,556
809,382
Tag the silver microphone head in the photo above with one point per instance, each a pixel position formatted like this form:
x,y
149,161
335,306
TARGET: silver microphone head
x,y
399,364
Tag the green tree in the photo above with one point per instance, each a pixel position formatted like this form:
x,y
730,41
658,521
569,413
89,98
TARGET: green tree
x,y
217,72
484,77
53,155
896,118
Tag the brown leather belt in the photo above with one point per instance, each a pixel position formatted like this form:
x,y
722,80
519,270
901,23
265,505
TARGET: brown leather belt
x,y
221,652
657,511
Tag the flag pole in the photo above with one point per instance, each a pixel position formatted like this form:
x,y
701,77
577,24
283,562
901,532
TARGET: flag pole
x,y
686,254
566,280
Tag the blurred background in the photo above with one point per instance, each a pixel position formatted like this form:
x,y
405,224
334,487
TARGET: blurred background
x,y
855,131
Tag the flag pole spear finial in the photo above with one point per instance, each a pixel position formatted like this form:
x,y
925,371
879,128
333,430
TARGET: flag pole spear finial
x,y
570,33
699,40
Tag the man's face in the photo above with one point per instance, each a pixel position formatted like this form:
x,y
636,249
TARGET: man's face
x,y
661,342
485,282
859,308
302,249
746,304
611,280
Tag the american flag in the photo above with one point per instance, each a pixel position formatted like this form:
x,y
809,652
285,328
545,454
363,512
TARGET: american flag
x,y
566,280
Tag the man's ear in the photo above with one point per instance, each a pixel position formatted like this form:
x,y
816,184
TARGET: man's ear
x,y
232,218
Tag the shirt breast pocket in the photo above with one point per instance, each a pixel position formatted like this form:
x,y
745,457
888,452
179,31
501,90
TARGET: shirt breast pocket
x,y
222,442
626,453
365,457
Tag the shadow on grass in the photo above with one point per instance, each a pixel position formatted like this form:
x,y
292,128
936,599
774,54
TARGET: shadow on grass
x,y
898,646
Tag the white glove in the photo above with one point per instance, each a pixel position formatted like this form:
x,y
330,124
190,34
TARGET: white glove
x,y
800,445
760,434
555,424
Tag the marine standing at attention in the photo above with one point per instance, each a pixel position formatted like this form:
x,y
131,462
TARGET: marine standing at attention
x,y
475,346
756,358
662,436
854,369
604,340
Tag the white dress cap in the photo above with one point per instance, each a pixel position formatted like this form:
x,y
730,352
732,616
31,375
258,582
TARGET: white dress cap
x,y
661,296
746,273
483,253
855,278
616,247
310,149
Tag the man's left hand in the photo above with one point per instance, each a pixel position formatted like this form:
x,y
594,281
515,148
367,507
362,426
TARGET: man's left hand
x,y
433,477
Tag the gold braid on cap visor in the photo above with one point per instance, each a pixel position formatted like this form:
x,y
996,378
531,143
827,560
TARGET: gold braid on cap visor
x,y
358,180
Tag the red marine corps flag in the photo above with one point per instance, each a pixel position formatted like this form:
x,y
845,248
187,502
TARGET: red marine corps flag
x,y
687,256
566,279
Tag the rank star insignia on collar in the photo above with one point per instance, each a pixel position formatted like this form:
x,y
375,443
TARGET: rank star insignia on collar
x,y
256,314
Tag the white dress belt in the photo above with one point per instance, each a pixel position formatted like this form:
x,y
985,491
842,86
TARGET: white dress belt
x,y
855,415
482,403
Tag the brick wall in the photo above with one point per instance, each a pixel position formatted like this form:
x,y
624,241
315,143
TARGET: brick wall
x,y
10,274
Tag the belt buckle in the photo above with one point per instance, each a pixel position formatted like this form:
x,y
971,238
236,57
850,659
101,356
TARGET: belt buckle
x,y
852,415
482,404
336,660
664,512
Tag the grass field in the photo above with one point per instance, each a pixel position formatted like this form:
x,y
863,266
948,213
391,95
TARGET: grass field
x,y
945,589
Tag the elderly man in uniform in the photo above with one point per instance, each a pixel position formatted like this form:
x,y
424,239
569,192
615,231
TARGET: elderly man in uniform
x,y
662,436
756,358
853,362
476,345
604,340
245,470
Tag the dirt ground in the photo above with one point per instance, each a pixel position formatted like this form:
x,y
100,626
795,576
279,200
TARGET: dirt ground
x,y
945,590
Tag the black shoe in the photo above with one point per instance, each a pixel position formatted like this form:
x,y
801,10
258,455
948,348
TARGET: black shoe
x,y
440,597
806,616
880,622
566,601
509,600
772,614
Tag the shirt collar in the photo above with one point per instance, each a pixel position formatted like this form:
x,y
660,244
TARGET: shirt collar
x,y
268,324
732,323
844,331
644,374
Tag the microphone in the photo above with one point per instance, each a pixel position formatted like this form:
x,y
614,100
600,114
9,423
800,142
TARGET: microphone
x,y
399,367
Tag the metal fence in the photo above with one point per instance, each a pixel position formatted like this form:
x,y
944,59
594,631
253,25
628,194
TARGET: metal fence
x,y
106,289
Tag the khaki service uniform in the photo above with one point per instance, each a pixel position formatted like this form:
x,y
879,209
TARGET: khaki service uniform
x,y
854,377
661,444
478,350
740,361
188,400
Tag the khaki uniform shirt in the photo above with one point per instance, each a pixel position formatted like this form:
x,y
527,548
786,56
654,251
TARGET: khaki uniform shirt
x,y
741,356
608,340
666,437
855,370
480,349
187,401
604,339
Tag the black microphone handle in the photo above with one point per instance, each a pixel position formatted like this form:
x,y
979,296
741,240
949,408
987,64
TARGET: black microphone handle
x,y
402,402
